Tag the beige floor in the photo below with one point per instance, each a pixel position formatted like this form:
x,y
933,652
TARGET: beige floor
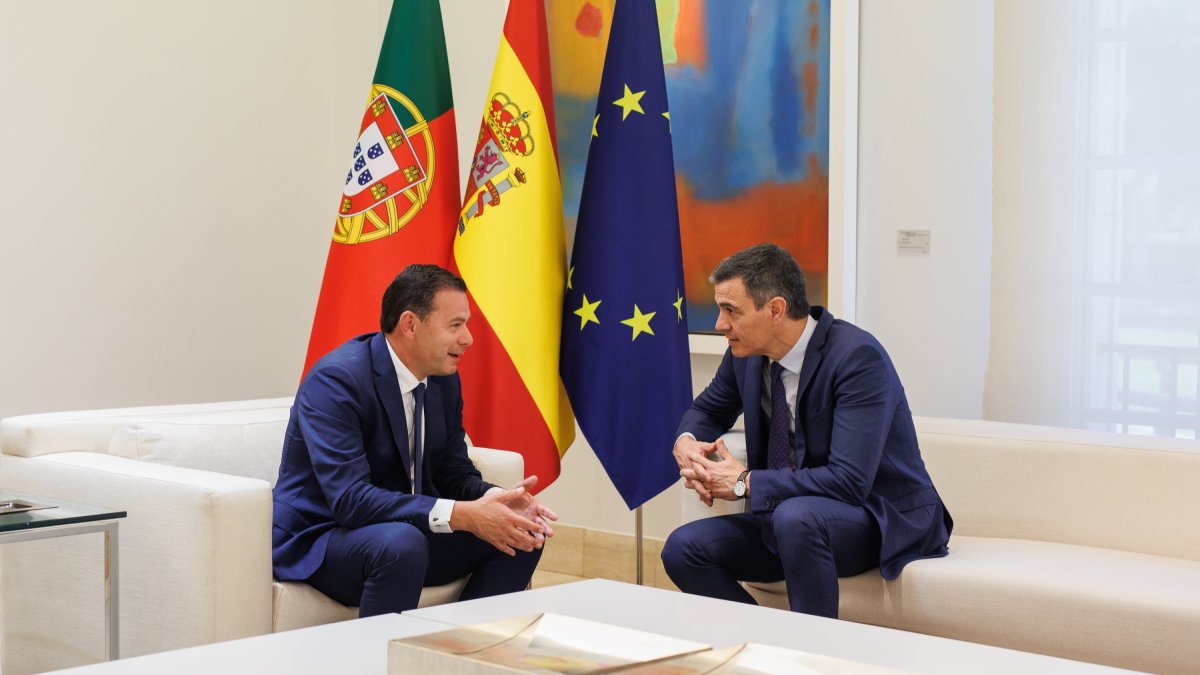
x,y
576,554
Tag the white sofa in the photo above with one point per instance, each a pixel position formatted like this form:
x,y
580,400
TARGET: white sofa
x,y
195,549
1070,543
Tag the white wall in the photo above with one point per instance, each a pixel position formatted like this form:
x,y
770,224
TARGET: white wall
x,y
925,163
167,177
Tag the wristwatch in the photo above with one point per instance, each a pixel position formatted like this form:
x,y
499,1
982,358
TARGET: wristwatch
x,y
739,488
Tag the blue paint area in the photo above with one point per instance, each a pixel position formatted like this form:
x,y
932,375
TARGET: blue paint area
x,y
787,115
740,120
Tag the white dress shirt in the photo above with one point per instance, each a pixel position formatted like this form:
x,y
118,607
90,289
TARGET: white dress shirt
x,y
439,516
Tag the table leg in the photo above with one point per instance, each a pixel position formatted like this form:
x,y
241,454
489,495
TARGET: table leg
x,y
112,591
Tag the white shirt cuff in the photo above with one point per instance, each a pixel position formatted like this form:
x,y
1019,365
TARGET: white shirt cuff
x,y
439,516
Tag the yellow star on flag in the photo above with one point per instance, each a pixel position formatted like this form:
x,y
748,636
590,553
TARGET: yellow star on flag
x,y
594,121
587,312
570,273
640,323
668,116
629,102
678,305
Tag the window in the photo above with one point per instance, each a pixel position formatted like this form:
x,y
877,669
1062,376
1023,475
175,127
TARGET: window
x,y
1096,216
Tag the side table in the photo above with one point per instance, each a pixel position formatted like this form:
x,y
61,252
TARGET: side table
x,y
58,518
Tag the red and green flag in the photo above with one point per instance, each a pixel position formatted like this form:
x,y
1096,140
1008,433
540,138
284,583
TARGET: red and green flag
x,y
510,250
400,197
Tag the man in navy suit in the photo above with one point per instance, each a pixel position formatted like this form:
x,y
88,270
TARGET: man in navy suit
x,y
376,496
835,482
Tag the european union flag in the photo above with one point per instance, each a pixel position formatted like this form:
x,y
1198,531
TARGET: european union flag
x,y
625,358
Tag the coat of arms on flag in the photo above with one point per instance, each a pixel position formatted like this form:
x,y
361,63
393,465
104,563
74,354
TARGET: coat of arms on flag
x,y
385,164
504,136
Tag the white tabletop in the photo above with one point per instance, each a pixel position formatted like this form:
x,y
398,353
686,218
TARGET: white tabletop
x,y
358,646
721,624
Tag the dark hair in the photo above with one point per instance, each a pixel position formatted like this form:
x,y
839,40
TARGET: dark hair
x,y
413,291
768,271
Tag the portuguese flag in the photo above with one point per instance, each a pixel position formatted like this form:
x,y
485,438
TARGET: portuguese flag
x,y
509,248
400,196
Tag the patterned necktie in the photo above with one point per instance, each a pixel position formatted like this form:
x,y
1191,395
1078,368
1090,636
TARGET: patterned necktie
x,y
418,449
779,448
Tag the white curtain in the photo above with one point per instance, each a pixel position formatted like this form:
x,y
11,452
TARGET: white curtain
x,y
1096,218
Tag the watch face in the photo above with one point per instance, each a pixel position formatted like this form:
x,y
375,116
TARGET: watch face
x,y
739,489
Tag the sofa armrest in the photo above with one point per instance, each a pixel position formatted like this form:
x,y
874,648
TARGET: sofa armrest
x,y
500,467
195,561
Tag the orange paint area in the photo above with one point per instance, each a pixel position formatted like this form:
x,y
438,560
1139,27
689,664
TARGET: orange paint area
x,y
588,21
690,47
793,215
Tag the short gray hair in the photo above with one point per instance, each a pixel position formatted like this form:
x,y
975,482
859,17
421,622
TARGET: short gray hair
x,y
767,271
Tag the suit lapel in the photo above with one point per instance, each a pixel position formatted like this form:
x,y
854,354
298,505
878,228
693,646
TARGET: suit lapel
x,y
753,410
387,387
814,353
812,358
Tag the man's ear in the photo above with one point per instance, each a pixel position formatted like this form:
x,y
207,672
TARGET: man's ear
x,y
778,307
406,327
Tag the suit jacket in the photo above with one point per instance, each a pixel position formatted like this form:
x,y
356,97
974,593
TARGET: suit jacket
x,y
345,454
855,439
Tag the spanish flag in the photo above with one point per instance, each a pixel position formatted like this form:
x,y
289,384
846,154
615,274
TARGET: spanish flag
x,y
509,248
400,194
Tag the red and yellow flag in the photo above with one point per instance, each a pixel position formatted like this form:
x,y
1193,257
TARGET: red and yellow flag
x,y
401,189
510,250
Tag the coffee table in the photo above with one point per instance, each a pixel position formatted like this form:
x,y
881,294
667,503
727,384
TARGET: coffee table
x,y
359,646
720,623
64,519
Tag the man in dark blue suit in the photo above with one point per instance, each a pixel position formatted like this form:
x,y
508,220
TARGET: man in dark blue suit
x,y
835,482
376,496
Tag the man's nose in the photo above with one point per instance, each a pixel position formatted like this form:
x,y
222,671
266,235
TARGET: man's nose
x,y
465,339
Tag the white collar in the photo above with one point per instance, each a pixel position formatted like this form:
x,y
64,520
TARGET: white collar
x,y
407,380
794,359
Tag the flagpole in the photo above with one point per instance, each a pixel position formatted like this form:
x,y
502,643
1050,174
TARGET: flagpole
x,y
638,547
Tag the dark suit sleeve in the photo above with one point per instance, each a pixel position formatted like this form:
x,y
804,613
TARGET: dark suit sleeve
x,y
456,476
717,407
331,418
859,416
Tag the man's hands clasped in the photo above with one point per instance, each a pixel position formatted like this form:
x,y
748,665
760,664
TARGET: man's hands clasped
x,y
710,479
510,520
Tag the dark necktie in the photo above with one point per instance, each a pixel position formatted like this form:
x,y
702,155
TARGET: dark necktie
x,y
418,449
779,447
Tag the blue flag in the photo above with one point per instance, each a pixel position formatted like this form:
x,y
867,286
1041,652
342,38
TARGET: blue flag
x,y
625,359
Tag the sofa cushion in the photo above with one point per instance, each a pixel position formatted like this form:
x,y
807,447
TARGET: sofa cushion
x,y
243,443
1091,489
92,430
1125,609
